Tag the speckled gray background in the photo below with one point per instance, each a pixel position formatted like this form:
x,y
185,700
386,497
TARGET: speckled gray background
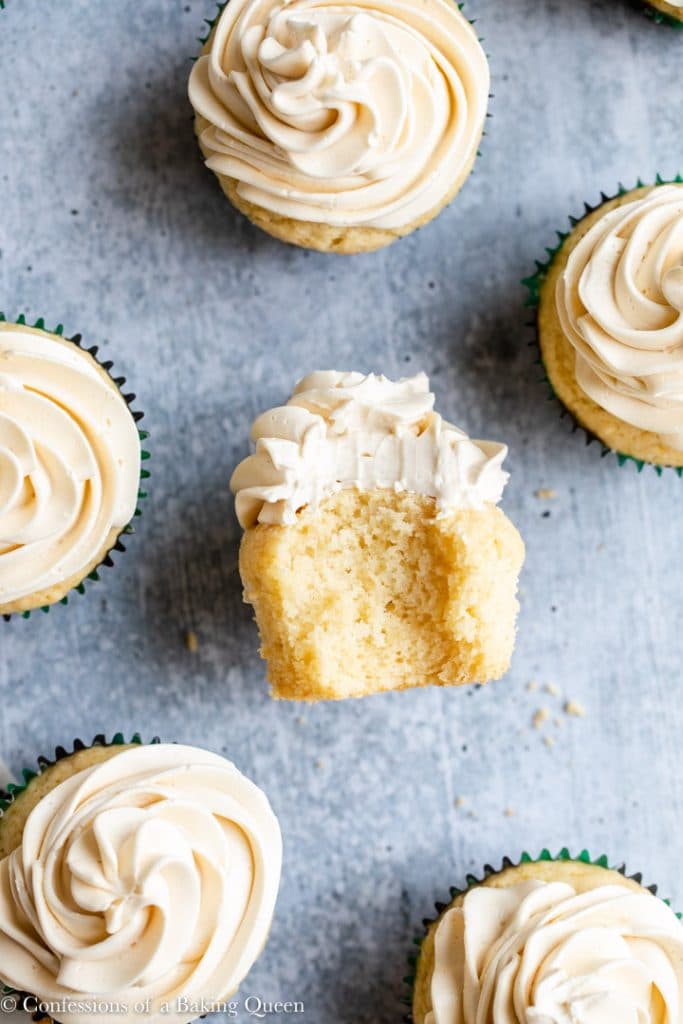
x,y
109,223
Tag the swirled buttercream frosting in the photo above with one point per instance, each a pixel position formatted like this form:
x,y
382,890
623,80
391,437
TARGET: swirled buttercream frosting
x,y
143,888
346,430
69,462
620,305
352,113
539,953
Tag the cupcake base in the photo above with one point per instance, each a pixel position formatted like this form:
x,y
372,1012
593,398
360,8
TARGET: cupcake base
x,y
328,238
57,593
374,591
558,356
581,872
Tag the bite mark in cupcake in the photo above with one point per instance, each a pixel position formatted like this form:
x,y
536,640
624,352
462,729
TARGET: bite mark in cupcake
x,y
374,554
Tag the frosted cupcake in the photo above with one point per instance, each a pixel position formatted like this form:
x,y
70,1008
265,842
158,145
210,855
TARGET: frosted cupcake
x,y
340,127
374,554
70,466
141,877
610,320
668,11
552,941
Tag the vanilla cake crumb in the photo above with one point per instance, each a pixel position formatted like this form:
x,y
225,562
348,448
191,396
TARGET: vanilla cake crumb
x,y
546,493
192,641
549,741
572,707
541,716
552,689
532,686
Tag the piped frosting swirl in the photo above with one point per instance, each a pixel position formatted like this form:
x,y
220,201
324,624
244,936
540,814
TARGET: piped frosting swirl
x,y
345,430
352,113
539,953
69,462
149,877
620,305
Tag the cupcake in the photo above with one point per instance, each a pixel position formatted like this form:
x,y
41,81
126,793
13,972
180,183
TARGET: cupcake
x,y
137,877
552,941
610,323
340,128
70,465
667,11
373,551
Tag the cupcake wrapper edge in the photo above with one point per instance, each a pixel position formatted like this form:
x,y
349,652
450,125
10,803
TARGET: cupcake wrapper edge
x,y
534,283
107,365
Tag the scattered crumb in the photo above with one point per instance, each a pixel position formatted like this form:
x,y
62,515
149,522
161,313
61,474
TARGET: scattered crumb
x,y
549,741
533,685
300,720
572,707
545,493
319,764
558,722
460,801
508,812
552,689
541,716
192,641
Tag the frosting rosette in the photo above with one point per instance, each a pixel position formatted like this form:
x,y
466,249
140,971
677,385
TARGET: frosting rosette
x,y
620,305
364,113
146,881
541,953
69,463
348,430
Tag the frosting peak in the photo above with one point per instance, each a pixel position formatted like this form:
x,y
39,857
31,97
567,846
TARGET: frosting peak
x,y
539,953
620,304
360,112
344,430
150,876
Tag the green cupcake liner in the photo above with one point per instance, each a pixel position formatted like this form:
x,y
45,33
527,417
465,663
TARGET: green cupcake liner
x,y
584,857
14,790
534,283
661,18
107,561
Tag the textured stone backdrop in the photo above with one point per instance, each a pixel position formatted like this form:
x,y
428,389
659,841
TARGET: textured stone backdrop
x,y
109,223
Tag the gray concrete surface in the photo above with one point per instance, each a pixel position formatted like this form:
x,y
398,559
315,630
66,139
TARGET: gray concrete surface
x,y
109,223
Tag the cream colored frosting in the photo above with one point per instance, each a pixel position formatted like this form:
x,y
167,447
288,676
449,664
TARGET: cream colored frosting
x,y
349,113
620,304
344,430
539,953
151,876
69,462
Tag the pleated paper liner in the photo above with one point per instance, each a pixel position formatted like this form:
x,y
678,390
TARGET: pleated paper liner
x,y
472,881
662,18
534,284
13,791
460,4
107,561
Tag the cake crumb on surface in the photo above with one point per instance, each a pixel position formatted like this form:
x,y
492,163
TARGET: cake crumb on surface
x,y
549,741
532,686
192,641
572,707
541,716
460,801
545,493
552,689
508,812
